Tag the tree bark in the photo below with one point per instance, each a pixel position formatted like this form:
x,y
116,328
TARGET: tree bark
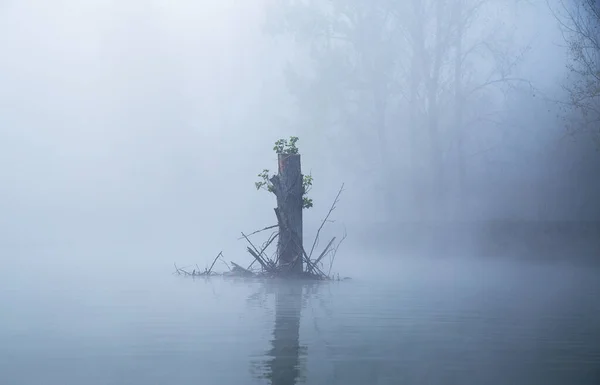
x,y
288,189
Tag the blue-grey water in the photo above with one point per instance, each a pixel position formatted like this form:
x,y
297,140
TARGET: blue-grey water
x,y
419,322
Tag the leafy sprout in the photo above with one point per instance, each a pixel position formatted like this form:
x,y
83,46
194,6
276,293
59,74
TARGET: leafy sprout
x,y
283,146
287,147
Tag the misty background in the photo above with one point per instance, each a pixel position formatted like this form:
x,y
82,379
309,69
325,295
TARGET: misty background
x,y
141,126
465,133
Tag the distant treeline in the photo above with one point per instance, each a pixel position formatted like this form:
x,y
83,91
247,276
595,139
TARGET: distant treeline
x,y
501,238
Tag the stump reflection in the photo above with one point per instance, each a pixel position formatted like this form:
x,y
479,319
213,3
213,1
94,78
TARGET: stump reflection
x,y
285,356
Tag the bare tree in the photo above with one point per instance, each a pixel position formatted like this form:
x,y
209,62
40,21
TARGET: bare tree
x,y
580,24
502,61
397,78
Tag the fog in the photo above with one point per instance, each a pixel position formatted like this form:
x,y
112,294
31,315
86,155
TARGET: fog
x,y
145,123
132,133
132,123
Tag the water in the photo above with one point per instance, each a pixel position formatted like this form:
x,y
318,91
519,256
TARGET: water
x,y
427,322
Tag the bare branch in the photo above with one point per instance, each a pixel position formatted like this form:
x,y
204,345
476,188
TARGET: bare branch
x,y
225,262
265,246
335,249
258,231
336,200
324,251
579,23
256,254
505,80
213,264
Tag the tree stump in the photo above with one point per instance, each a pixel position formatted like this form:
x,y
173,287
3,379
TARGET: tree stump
x,y
287,186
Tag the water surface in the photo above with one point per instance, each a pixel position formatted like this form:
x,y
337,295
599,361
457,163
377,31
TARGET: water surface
x,y
426,322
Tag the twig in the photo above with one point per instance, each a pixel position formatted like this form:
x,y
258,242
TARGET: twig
x,y
293,237
258,231
225,262
259,259
211,266
265,245
258,253
324,252
251,244
271,239
181,270
335,252
309,264
337,198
